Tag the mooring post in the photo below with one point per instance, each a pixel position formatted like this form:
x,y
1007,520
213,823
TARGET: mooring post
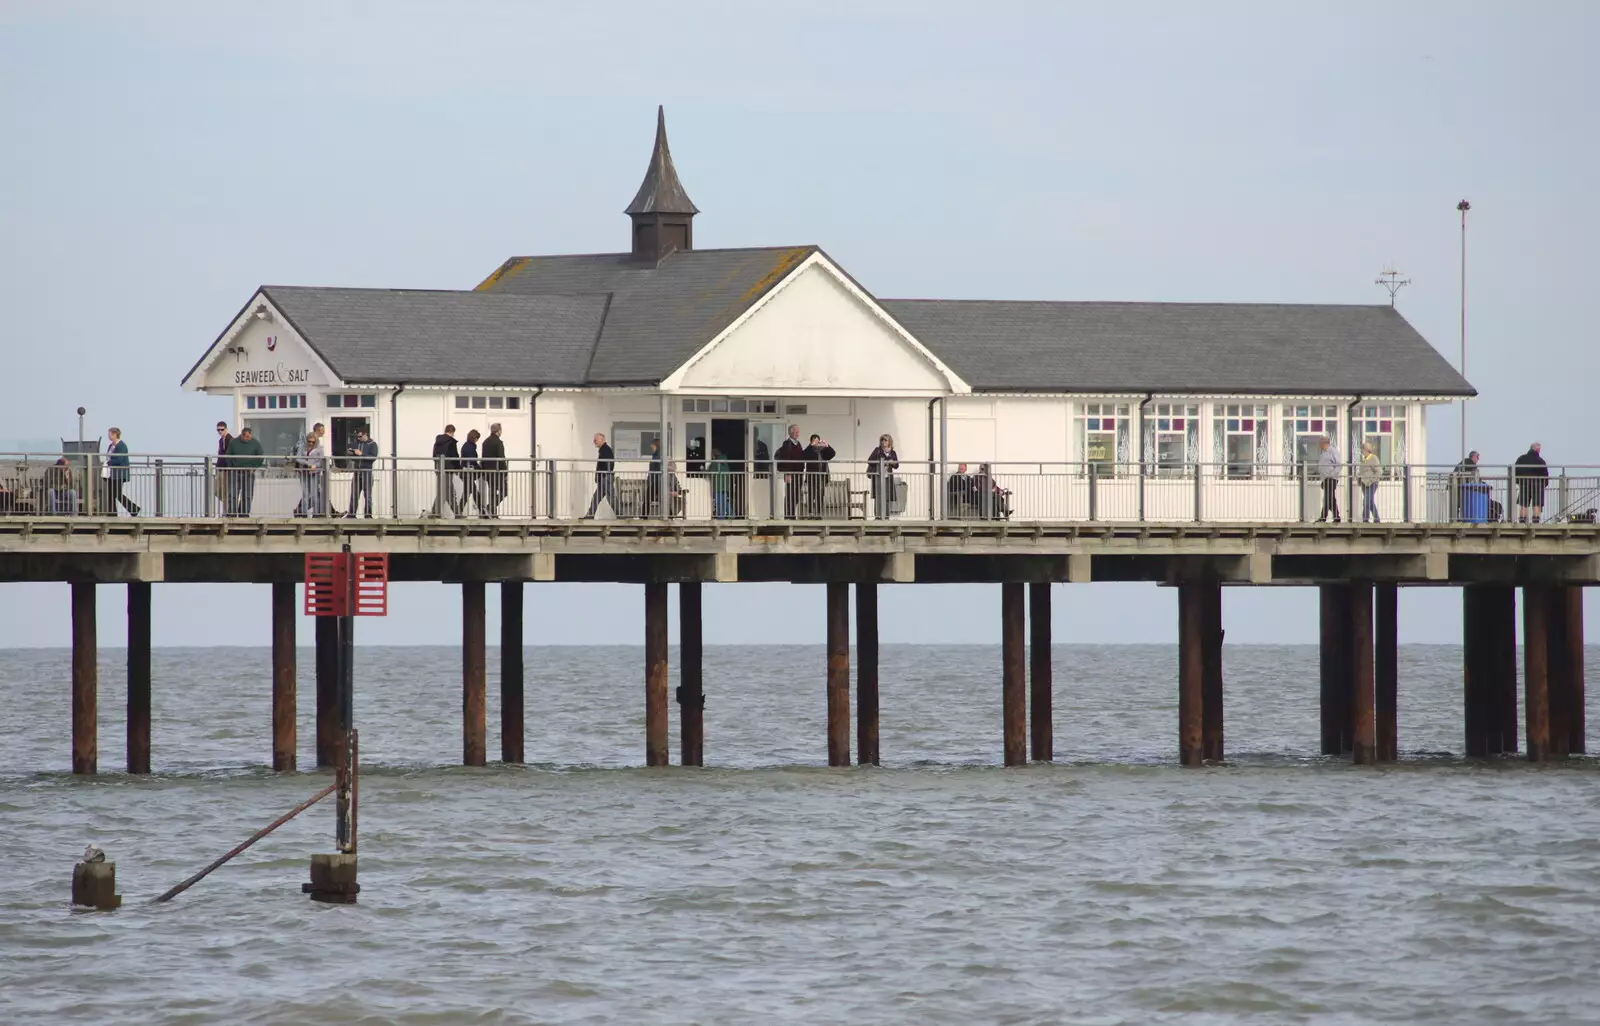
x,y
1211,719
327,668
838,673
1577,742
474,683
1364,747
85,680
1013,674
1500,609
1041,702
1192,622
1557,672
691,682
511,680
655,674
1386,671
867,673
138,676
284,740
1335,667
1535,668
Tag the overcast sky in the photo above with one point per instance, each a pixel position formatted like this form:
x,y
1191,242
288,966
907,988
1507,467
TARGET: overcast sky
x,y
164,159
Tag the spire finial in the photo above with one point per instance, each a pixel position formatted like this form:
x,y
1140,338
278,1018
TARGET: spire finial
x,y
661,192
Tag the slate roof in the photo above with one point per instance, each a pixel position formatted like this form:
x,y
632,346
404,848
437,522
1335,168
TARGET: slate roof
x,y
1179,348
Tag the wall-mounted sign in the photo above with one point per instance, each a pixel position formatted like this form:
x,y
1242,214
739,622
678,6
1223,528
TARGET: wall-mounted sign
x,y
272,342
282,374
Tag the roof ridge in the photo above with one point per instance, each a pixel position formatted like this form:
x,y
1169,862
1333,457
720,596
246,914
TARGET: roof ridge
x,y
1143,302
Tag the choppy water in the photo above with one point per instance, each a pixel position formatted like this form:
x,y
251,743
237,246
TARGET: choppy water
x,y
1111,887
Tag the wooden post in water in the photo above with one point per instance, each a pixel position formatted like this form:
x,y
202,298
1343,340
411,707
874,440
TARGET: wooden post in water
x,y
1386,671
1041,702
512,715
1364,746
138,676
1013,674
838,673
691,679
1192,622
1211,719
329,741
85,680
1476,650
1500,626
1577,739
655,674
474,684
284,740
1335,664
1535,656
867,673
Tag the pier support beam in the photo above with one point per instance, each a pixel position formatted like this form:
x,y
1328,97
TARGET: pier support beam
x,y
1335,667
655,674
1041,713
474,718
138,676
1535,670
1489,666
284,739
691,681
1503,680
838,673
1211,720
1192,624
1386,671
1567,728
85,680
512,715
327,668
1364,748
867,673
1013,674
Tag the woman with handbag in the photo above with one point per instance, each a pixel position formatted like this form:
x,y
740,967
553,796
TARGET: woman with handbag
x,y
881,465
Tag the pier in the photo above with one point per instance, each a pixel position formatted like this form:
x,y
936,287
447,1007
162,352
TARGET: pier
x,y
1500,570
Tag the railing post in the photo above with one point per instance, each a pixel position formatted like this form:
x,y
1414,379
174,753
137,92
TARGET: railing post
x,y
1094,505
1561,494
1141,480
160,489
1511,493
1405,496
91,486
211,487
1199,474
550,487
1299,472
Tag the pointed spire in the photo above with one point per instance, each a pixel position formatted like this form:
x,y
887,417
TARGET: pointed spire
x,y
661,192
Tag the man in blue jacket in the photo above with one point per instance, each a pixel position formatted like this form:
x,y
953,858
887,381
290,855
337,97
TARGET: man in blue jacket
x,y
116,475
363,453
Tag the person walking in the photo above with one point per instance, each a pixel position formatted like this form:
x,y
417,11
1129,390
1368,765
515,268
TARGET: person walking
x,y
219,486
245,458
494,470
1367,476
115,476
817,454
1533,476
1328,472
882,462
446,456
791,462
470,471
605,477
363,452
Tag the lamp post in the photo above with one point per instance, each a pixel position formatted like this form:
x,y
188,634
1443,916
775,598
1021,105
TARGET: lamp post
x,y
1463,206
81,412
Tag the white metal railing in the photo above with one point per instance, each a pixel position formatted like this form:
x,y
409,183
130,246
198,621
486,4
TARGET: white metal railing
x,y
523,489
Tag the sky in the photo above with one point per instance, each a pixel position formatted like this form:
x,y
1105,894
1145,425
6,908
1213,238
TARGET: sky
x,y
165,159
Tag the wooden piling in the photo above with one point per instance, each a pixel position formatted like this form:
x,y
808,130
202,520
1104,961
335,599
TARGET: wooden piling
x,y
838,673
655,674
1335,668
867,673
691,680
1041,702
1013,674
1386,671
85,680
284,740
329,740
1499,693
1192,622
512,714
1477,669
1211,718
1577,737
1535,668
474,716
1364,745
138,676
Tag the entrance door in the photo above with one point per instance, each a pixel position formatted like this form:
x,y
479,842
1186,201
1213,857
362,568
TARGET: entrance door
x,y
343,437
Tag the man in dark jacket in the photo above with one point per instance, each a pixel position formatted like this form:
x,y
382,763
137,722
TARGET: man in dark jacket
x,y
605,479
494,470
363,453
652,484
817,454
1532,478
244,459
792,465
446,463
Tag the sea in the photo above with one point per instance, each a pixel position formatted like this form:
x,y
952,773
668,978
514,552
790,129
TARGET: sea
x,y
1111,887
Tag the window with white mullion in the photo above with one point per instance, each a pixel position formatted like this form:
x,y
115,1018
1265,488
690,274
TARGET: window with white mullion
x,y
1171,444
1304,427
1239,439
1105,438
1383,425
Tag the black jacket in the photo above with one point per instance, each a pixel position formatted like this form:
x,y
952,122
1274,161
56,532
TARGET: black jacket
x,y
604,462
881,464
469,455
365,453
817,457
494,448
444,445
791,457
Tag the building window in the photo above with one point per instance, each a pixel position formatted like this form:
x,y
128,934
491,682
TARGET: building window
x,y
513,402
1104,438
1171,438
275,402
488,402
1239,438
1385,427
351,401
1303,430
694,445
279,436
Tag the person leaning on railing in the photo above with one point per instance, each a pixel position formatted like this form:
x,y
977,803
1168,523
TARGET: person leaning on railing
x,y
882,462
245,458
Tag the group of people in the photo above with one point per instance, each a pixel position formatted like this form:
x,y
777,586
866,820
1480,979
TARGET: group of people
x,y
1368,473
241,457
605,483
805,473
467,471
1530,475
64,497
977,495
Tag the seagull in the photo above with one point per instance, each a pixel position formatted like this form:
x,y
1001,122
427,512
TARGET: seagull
x,y
94,853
